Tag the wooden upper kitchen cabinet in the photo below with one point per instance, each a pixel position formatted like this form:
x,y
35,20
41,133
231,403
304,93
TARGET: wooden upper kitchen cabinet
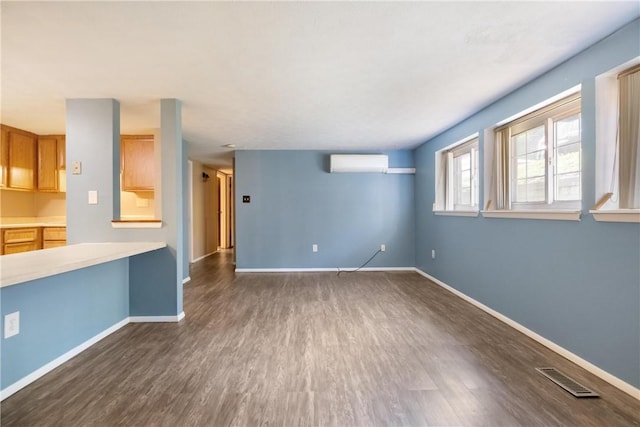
x,y
137,162
4,157
22,160
50,162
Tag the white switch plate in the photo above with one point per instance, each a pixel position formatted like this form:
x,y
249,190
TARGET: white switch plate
x,y
11,324
314,248
383,248
76,167
93,197
433,254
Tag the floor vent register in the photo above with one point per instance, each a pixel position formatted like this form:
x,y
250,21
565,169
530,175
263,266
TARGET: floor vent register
x,y
567,383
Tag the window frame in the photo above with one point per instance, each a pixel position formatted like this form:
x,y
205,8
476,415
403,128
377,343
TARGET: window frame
x,y
446,178
545,116
607,171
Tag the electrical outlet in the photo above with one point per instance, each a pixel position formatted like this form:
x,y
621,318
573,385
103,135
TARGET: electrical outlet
x,y
383,248
314,248
12,324
433,254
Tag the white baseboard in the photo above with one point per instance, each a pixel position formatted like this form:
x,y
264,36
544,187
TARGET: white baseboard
x,y
203,257
186,280
345,270
156,319
40,372
313,270
599,372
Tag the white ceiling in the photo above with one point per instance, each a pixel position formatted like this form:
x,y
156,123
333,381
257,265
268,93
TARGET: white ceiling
x,y
291,75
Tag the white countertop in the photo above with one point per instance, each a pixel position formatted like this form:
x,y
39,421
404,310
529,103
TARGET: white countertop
x,y
34,224
26,266
32,221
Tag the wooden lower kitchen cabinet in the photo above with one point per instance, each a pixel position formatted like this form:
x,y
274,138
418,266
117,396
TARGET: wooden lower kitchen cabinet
x,y
15,240
53,237
25,239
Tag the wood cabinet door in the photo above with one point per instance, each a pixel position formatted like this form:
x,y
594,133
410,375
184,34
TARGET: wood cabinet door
x,y
15,248
22,156
137,163
54,233
47,164
4,157
62,152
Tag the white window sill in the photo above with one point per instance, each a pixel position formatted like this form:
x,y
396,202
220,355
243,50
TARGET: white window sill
x,y
616,215
557,215
151,223
456,213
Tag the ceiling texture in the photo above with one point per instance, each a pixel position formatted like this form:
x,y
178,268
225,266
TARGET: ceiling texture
x,y
287,75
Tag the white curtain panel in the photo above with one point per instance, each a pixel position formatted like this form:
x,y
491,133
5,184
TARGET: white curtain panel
x,y
629,141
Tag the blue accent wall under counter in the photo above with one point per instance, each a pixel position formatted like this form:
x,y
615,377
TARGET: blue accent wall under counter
x,y
59,313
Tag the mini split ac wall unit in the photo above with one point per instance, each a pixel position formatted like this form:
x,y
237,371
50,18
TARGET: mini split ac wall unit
x,y
374,163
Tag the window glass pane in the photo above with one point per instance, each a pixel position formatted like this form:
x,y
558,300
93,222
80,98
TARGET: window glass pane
x,y
535,139
521,191
568,186
568,130
520,142
462,188
465,161
465,180
536,164
463,192
568,158
535,190
521,167
465,196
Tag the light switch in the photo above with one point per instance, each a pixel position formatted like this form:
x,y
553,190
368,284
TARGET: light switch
x,y
93,197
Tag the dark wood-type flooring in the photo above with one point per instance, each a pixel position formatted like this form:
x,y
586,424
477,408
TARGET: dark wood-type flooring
x,y
361,349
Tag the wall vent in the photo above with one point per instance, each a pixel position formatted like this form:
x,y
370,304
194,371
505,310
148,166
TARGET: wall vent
x,y
567,383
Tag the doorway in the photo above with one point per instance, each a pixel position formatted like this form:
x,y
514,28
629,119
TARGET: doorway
x,y
224,190
212,207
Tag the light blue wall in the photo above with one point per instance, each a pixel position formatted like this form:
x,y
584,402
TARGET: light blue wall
x,y
575,283
61,312
93,137
296,202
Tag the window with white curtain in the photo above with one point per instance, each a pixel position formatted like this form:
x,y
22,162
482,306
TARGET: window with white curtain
x,y
629,139
457,178
537,159
618,144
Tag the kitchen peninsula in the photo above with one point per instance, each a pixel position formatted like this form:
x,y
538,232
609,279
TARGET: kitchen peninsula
x,y
62,301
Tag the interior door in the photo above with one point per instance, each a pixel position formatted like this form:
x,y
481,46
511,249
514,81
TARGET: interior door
x,y
211,215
